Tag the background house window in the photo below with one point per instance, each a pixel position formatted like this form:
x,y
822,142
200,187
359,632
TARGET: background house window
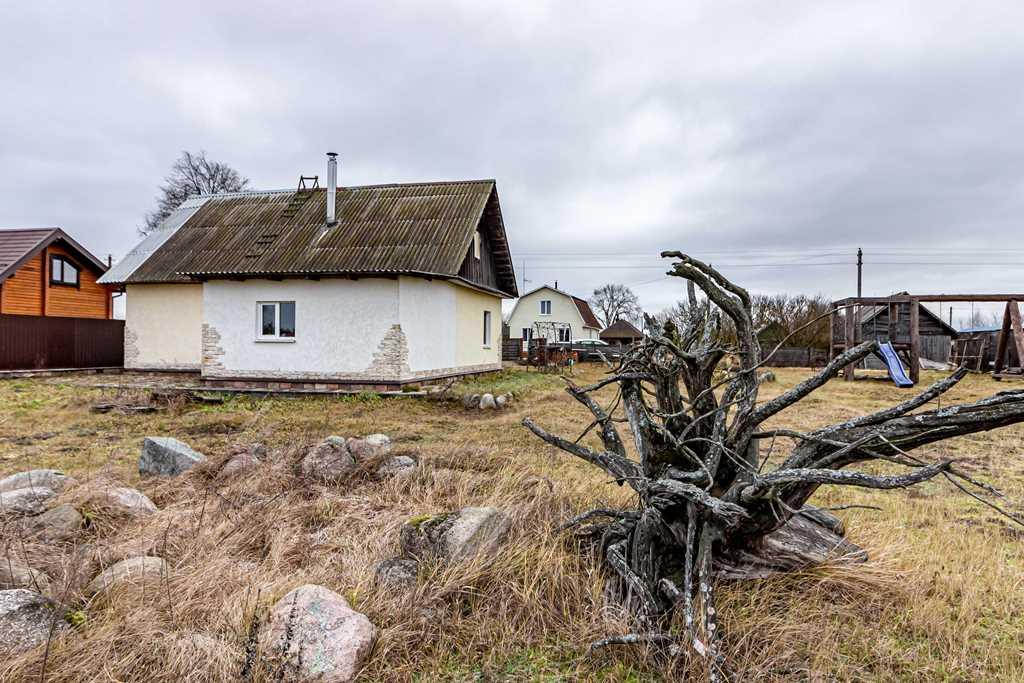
x,y
563,334
63,271
275,320
545,307
487,328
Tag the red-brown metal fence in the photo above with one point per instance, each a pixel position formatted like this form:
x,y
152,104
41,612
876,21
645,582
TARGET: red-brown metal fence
x,y
29,342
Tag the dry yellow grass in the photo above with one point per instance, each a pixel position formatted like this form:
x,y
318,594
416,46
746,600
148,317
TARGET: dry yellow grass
x,y
941,599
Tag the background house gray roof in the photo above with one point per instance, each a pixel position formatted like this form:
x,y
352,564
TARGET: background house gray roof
x,y
418,228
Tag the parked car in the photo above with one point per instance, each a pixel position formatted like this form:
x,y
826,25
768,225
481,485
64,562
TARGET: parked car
x,y
591,349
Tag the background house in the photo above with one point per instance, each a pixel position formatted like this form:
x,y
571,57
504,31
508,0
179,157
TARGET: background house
x,y
555,315
936,335
621,333
383,284
53,311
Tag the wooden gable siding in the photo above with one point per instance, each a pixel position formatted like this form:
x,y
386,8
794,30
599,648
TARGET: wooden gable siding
x,y
879,325
22,293
480,271
29,292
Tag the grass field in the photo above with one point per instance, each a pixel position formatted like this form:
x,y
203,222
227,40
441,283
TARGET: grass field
x,y
942,597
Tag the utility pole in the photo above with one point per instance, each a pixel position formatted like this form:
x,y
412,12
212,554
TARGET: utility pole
x,y
860,267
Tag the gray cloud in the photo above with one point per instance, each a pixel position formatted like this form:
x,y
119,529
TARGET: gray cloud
x,y
744,132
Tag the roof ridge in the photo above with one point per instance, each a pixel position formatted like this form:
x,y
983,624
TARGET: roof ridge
x,y
253,193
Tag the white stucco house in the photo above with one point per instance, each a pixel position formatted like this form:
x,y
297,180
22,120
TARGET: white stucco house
x,y
376,286
553,314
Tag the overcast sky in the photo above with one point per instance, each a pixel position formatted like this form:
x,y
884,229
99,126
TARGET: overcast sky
x,y
762,136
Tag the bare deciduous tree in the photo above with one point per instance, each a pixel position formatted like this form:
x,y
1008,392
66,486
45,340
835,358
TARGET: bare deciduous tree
x,y
708,505
192,174
616,302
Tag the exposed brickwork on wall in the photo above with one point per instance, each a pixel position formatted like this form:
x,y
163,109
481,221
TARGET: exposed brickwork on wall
x,y
212,351
131,348
391,360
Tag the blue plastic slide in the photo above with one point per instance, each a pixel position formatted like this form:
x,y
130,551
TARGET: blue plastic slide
x,y
894,365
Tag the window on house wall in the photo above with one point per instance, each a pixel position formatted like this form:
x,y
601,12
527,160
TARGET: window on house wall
x,y
527,334
476,245
545,307
63,272
563,334
275,321
487,328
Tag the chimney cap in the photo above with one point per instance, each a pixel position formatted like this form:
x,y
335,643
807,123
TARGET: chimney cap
x,y
332,154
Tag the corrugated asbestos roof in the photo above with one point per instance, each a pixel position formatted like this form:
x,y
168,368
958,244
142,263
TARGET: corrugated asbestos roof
x,y
420,228
19,244
124,268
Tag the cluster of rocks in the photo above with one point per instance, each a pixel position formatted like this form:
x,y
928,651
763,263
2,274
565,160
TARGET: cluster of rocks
x,y
447,537
487,401
335,458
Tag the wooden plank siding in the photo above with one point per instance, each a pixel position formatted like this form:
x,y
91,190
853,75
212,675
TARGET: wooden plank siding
x,y
480,271
29,291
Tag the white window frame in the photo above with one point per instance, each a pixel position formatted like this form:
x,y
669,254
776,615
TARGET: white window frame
x,y
548,302
276,337
487,329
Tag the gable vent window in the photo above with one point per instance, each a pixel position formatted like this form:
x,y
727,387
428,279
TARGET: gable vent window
x,y
476,245
545,307
63,272
275,321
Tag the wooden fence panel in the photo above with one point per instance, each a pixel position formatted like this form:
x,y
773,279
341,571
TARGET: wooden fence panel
x,y
29,342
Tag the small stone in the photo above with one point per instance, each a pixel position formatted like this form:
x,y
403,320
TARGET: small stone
x,y
470,401
130,500
397,573
240,464
329,461
487,402
501,401
318,636
15,574
133,572
369,447
26,619
767,376
398,465
55,480
58,524
455,536
167,457
26,501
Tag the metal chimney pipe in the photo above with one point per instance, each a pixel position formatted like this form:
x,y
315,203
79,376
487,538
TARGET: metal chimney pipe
x,y
332,187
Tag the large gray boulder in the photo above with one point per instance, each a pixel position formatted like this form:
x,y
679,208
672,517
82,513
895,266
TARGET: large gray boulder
x,y
329,461
316,636
55,480
164,456
470,401
25,621
16,574
369,446
59,524
130,501
245,459
487,402
135,572
455,536
26,501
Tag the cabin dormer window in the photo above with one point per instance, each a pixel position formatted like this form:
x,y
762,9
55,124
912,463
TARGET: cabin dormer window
x,y
63,272
545,307
275,321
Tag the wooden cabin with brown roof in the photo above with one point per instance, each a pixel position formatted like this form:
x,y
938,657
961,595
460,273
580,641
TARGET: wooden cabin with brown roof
x,y
44,272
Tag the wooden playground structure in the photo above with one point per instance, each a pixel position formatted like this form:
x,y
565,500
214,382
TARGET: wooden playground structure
x,y
901,327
